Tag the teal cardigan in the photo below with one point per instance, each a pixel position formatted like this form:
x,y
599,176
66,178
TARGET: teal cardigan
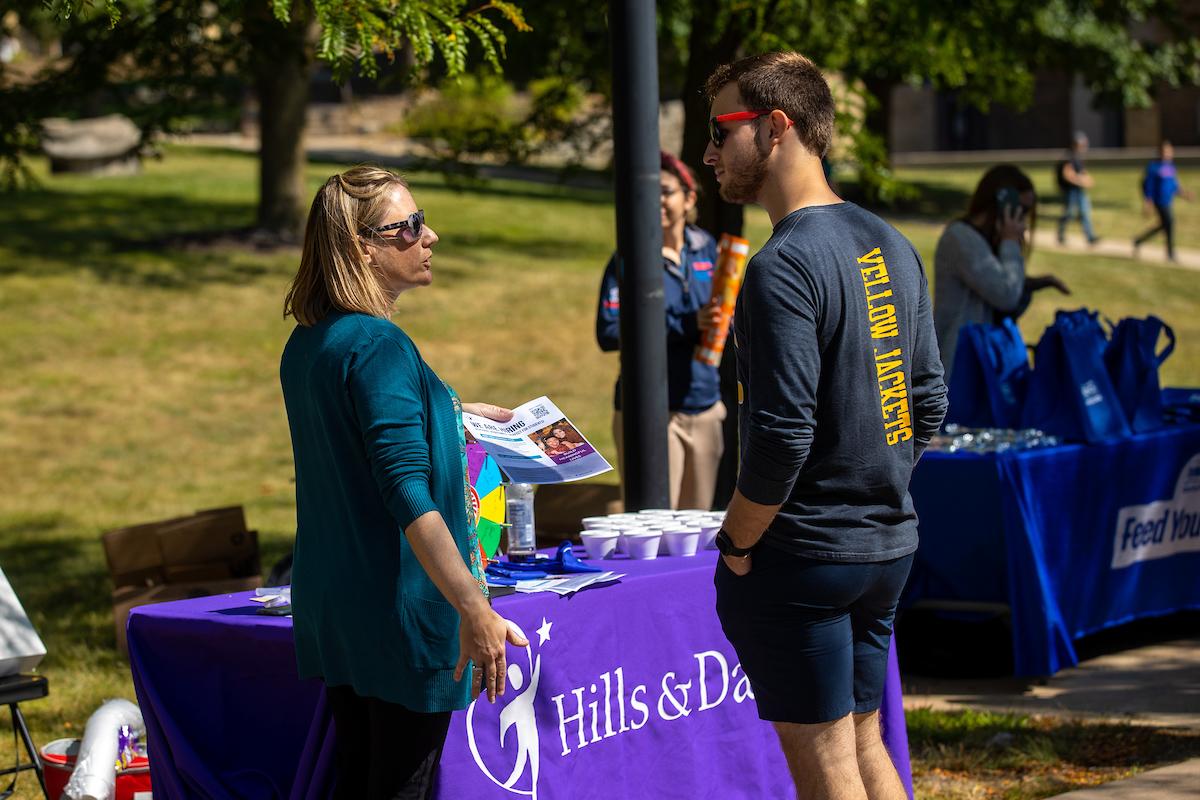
x,y
376,443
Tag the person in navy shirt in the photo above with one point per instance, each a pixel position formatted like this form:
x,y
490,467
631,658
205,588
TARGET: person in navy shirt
x,y
694,435
1159,187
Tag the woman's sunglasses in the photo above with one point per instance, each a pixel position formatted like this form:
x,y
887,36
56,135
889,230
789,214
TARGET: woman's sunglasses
x,y
409,230
717,134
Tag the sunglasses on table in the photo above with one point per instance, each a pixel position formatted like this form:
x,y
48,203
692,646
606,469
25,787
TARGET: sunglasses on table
x,y
717,134
408,230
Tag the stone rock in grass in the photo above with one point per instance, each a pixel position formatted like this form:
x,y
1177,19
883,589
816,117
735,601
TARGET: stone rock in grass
x,y
97,146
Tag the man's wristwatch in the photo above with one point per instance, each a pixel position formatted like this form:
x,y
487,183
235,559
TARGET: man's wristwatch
x,y
728,548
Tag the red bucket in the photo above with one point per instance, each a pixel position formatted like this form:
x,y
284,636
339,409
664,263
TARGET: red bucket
x,y
59,760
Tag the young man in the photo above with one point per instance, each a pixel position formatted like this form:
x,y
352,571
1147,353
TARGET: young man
x,y
1159,187
1074,181
840,390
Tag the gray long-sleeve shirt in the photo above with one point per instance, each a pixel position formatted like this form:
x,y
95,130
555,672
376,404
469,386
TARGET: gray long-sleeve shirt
x,y
972,284
840,385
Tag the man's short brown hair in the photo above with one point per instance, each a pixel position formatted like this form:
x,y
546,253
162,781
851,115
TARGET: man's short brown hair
x,y
785,81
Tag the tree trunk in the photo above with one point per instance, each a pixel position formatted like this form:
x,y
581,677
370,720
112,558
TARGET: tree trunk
x,y
706,50
283,67
878,118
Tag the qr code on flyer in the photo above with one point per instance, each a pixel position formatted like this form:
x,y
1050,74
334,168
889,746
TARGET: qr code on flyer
x,y
539,411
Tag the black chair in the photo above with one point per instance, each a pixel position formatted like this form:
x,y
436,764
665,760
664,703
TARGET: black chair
x,y
14,690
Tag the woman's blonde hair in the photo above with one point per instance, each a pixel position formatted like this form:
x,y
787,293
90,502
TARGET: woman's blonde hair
x,y
335,274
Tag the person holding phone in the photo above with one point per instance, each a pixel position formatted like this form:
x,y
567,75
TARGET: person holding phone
x,y
979,264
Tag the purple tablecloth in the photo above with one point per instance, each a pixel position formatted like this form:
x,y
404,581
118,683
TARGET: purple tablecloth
x,y
628,690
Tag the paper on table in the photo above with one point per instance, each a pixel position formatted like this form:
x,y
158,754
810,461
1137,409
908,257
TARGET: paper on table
x,y
569,584
538,445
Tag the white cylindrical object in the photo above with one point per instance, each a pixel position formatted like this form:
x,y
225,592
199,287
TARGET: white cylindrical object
x,y
623,534
95,774
682,542
642,546
600,543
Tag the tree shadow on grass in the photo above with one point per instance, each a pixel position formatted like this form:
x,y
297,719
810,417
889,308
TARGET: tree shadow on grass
x,y
135,239
60,579
975,741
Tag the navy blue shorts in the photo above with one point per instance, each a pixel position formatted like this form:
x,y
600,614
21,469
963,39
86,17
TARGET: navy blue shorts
x,y
812,636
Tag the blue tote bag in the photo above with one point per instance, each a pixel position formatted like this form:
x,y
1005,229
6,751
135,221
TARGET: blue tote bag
x,y
990,378
1070,392
1133,363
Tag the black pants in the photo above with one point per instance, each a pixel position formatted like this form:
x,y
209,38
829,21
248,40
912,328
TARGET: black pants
x,y
1166,224
384,751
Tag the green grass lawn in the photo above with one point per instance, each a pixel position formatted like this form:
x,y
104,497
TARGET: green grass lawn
x,y
968,755
141,377
1116,199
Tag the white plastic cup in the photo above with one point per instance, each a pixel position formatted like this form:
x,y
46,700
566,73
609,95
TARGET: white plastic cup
x,y
673,526
600,543
596,523
642,546
682,542
708,535
623,532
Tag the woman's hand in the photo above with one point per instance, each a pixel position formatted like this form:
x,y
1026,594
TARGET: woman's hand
x,y
1011,224
1038,282
1054,282
481,638
497,413
708,317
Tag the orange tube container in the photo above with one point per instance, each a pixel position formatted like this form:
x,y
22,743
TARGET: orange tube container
x,y
732,254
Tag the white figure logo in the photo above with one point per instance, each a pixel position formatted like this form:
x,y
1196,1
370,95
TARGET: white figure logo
x,y
517,717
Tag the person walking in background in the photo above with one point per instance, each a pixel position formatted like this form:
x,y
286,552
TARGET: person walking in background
x,y
979,263
1159,187
389,599
840,390
694,438
1074,182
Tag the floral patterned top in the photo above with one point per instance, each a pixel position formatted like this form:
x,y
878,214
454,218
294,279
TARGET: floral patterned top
x,y
476,562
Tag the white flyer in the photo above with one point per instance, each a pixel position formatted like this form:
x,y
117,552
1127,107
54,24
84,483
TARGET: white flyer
x,y
538,445
567,584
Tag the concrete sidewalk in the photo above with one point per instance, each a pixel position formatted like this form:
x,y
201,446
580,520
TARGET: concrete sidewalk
x,y
1152,254
1176,782
1155,684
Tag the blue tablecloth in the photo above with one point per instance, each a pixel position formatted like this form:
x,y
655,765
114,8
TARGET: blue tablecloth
x,y
625,691
1074,539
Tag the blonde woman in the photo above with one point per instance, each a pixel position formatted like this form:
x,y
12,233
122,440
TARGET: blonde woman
x,y
389,599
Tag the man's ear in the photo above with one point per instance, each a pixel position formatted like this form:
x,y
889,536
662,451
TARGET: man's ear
x,y
779,123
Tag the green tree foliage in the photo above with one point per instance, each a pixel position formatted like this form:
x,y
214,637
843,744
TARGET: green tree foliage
x,y
164,62
480,115
987,52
